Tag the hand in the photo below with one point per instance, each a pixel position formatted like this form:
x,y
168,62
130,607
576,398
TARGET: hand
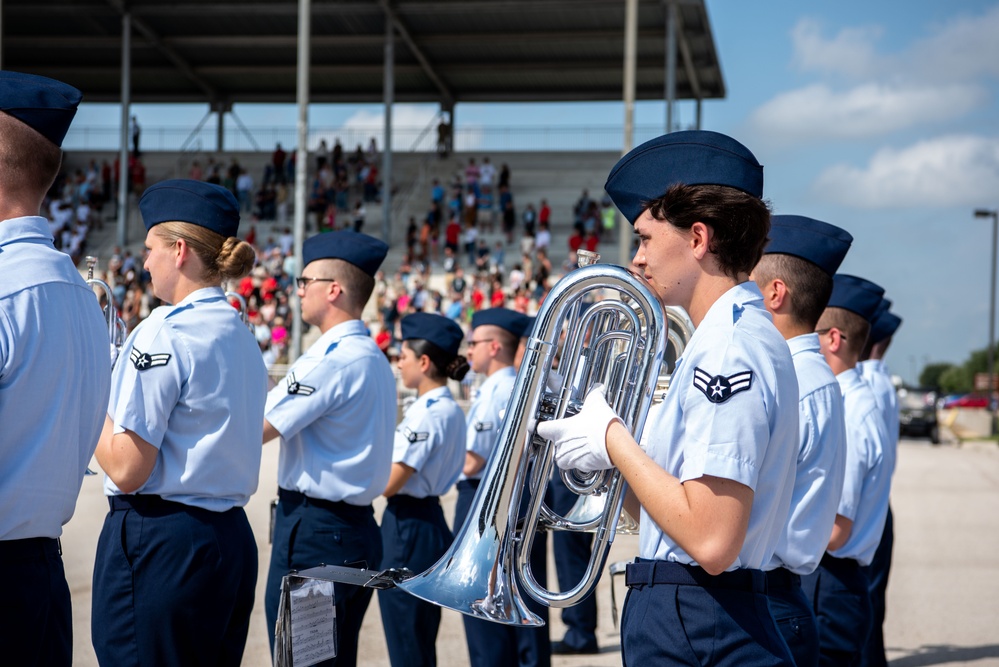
x,y
581,441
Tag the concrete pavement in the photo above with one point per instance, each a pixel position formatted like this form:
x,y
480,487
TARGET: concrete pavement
x,y
943,596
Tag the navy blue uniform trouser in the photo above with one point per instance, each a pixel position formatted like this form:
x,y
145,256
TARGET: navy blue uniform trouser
x,y
794,616
680,615
873,654
310,532
837,591
173,584
414,535
572,555
496,645
36,616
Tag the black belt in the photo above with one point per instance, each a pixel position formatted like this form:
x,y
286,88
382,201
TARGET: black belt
x,y
411,501
146,504
30,548
845,565
338,507
782,579
651,572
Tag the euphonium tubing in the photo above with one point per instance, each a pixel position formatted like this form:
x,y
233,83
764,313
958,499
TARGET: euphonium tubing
x,y
479,574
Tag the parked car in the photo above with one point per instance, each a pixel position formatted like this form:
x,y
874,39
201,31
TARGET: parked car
x,y
968,401
917,414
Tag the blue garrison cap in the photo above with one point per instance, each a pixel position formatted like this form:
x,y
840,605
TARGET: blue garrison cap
x,y
884,326
365,252
881,310
185,200
43,104
856,295
504,318
437,329
818,242
696,157
529,326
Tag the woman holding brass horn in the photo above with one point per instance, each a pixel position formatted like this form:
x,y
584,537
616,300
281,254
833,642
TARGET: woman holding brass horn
x,y
428,456
715,471
176,560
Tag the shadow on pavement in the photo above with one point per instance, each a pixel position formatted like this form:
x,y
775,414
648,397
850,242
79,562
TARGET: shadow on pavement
x,y
945,654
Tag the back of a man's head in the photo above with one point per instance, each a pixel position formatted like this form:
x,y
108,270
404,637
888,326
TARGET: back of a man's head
x,y
29,163
808,286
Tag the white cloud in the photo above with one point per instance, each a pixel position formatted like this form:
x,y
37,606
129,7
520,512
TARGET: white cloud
x,y
851,52
818,112
965,48
956,170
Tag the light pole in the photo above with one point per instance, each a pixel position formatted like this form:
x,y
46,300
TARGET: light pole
x,y
986,213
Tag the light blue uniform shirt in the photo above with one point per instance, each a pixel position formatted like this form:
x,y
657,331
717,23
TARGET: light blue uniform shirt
x,y
878,378
335,412
731,412
430,439
821,465
55,373
485,417
868,469
190,381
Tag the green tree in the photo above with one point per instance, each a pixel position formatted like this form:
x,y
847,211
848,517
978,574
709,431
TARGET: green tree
x,y
930,377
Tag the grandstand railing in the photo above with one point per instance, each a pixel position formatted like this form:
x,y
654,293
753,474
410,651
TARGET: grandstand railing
x,y
417,139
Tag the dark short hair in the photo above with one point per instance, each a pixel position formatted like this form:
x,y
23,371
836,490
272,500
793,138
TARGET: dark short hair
x,y
740,221
29,163
808,286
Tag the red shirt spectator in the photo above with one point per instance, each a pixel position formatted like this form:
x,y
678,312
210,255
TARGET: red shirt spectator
x,y
575,241
545,213
591,242
478,298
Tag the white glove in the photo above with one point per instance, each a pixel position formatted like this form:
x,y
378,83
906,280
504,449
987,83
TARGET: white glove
x,y
581,441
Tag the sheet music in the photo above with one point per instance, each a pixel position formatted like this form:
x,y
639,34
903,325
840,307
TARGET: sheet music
x,y
313,623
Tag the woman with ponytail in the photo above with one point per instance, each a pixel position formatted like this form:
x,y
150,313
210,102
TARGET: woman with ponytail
x,y
176,560
428,455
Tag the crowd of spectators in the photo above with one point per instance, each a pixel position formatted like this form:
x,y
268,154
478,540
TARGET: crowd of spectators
x,y
471,249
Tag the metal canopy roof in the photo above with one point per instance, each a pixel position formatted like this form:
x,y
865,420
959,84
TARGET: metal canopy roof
x,y
226,51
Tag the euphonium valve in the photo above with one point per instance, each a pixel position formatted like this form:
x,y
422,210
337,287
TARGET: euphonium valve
x,y
614,341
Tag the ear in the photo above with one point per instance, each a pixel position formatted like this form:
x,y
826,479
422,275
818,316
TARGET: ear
x,y
181,251
835,340
333,291
424,362
699,238
775,295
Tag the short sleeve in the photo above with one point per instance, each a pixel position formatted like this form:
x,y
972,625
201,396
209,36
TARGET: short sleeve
x,y
415,439
309,391
147,382
726,416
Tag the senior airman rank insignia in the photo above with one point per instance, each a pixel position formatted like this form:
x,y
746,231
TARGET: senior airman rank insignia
x,y
296,387
719,388
483,426
413,436
143,361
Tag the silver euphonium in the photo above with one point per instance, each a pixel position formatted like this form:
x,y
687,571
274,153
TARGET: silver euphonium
x,y
117,331
589,507
615,341
244,312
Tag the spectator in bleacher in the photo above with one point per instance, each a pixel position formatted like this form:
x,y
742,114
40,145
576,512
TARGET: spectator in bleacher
x,y
504,177
452,234
277,161
472,176
244,190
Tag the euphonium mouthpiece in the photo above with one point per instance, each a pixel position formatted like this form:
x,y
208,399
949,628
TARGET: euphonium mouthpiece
x,y
586,257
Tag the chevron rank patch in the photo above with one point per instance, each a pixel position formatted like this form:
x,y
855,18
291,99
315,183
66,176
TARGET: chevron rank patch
x,y
143,361
719,388
413,436
483,426
296,387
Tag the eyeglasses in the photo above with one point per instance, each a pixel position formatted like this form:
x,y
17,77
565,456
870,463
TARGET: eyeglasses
x,y
303,281
825,331
473,343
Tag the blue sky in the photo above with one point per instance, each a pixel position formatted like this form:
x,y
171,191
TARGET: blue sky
x,y
879,117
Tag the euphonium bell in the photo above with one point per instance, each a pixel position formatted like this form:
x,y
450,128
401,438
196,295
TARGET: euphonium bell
x,y
616,342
